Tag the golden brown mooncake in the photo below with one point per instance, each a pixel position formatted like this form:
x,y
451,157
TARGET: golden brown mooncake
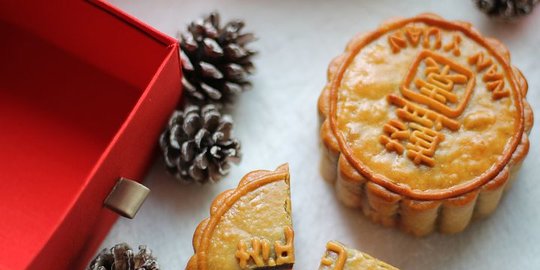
x,y
425,124
340,257
249,227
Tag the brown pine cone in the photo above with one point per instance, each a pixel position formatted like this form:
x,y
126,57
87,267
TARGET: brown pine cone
x,y
122,257
197,144
506,9
215,61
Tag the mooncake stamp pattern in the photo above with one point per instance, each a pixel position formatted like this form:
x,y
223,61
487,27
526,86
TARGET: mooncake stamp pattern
x,y
424,124
249,227
339,257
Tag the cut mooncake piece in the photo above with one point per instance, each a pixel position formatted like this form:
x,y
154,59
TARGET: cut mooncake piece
x,y
425,124
340,257
249,227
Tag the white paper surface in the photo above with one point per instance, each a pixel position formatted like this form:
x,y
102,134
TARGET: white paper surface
x,y
277,122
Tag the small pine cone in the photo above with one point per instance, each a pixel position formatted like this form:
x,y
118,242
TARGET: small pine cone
x,y
197,144
506,9
215,61
122,257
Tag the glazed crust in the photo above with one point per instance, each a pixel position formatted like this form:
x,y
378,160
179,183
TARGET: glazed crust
x,y
224,202
414,211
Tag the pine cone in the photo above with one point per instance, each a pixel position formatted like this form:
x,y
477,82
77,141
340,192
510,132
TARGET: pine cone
x,y
197,144
215,61
506,9
121,257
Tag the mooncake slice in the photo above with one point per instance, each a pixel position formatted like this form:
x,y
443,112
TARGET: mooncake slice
x,y
340,257
425,124
249,227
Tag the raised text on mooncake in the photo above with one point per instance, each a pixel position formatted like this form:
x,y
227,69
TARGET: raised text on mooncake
x,y
435,91
257,251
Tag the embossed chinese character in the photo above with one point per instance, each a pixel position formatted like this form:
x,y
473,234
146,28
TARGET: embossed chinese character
x,y
439,83
396,131
242,255
436,86
421,133
259,253
285,252
422,144
335,254
411,112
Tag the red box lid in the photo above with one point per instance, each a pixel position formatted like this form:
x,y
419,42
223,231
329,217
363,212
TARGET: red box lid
x,y
84,92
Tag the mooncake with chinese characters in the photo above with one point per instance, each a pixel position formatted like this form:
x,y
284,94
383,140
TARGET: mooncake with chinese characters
x,y
424,124
249,227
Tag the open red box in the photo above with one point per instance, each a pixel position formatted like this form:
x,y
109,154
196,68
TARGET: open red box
x,y
84,92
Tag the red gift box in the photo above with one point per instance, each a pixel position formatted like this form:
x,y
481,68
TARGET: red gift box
x,y
84,92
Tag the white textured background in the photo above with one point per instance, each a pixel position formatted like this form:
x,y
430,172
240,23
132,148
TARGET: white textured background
x,y
277,122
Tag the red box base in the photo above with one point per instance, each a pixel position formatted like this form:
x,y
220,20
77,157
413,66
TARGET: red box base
x,y
84,93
